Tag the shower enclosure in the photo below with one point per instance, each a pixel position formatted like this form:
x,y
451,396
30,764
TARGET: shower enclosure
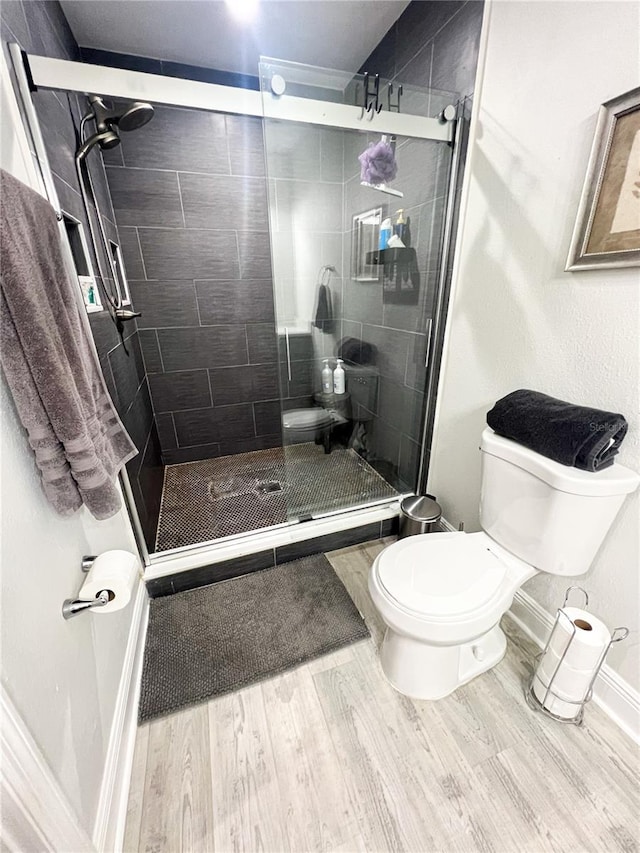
x,y
250,249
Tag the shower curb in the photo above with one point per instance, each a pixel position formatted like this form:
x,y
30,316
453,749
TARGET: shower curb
x,y
237,566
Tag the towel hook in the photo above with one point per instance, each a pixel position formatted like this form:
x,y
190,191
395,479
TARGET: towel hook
x,y
370,96
394,107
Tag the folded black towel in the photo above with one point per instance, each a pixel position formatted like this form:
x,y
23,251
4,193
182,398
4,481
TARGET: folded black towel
x,y
580,436
324,310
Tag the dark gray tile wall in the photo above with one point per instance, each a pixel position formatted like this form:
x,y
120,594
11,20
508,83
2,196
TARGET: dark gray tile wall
x,y
169,69
41,28
433,44
190,198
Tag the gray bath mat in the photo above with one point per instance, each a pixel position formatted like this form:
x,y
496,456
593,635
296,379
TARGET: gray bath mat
x,y
218,638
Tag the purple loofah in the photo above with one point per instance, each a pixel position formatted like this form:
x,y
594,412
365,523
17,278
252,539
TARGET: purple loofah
x,y
378,163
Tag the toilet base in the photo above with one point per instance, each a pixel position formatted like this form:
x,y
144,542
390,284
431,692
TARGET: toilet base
x,y
423,671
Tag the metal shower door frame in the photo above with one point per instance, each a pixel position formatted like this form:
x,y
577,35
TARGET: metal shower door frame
x,y
63,74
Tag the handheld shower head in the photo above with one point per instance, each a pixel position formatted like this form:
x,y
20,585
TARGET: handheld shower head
x,y
110,121
105,139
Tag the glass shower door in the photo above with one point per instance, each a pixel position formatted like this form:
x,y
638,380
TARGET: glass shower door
x,y
352,322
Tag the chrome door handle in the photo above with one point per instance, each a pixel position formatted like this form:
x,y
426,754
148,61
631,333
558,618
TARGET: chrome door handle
x,y
428,341
286,335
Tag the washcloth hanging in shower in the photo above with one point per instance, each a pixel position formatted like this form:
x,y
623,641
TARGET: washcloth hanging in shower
x,y
324,319
378,162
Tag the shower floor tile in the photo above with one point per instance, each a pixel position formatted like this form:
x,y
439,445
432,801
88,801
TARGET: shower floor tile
x,y
213,498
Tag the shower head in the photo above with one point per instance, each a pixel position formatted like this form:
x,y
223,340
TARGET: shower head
x,y
109,123
136,115
128,117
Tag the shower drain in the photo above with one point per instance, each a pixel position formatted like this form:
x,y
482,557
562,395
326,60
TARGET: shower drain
x,y
268,487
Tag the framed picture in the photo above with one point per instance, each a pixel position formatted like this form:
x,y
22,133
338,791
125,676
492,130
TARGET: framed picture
x,y
607,230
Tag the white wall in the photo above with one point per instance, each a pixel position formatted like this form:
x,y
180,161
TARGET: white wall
x,y
517,319
62,677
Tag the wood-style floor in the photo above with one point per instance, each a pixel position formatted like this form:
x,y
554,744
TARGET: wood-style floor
x,y
330,757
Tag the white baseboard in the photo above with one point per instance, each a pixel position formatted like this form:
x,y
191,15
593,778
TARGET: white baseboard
x,y
108,831
611,692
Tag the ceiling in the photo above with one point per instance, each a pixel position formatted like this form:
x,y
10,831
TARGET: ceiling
x,y
328,33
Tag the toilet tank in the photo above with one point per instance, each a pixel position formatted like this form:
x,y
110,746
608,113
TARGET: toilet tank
x,y
552,516
362,385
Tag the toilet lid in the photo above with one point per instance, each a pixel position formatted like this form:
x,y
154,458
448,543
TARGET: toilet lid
x,y
441,574
306,418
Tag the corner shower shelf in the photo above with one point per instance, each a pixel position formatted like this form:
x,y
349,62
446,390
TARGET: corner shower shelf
x,y
391,256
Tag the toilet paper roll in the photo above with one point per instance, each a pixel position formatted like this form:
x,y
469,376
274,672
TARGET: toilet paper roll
x,y
570,662
568,683
115,571
560,707
587,646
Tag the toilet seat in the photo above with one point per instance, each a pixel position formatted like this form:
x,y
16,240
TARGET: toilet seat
x,y
306,419
442,576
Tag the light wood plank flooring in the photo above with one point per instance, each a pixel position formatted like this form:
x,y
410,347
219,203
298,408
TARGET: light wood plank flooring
x,y
330,758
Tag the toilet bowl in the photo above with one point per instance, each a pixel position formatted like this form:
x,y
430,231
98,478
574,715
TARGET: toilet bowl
x,y
301,425
442,595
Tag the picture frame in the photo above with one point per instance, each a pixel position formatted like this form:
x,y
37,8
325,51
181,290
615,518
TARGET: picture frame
x,y
607,229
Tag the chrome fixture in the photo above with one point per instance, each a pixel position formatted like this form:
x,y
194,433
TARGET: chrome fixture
x,y
108,123
447,114
73,606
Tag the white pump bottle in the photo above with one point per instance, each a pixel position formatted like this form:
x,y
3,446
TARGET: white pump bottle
x,y
327,378
339,378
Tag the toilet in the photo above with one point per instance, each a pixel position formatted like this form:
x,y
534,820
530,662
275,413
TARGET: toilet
x,y
302,425
442,595
316,423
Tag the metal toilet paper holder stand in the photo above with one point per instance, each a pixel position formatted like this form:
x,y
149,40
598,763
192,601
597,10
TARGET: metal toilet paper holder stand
x,y
73,606
536,704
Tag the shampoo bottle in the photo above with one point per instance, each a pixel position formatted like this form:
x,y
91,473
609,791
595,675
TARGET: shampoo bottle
x,y
385,233
338,378
400,225
327,378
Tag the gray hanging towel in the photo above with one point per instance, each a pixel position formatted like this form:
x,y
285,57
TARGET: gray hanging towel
x,y
50,366
324,310
573,435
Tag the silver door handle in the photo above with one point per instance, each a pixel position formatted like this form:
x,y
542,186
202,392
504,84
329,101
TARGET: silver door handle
x,y
428,341
286,335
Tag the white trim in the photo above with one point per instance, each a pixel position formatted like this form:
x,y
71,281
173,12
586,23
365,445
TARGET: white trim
x,y
65,75
473,151
108,830
167,564
18,150
611,692
32,800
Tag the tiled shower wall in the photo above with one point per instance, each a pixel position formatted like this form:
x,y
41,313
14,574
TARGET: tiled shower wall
x,y
398,332
306,204
433,44
41,28
190,200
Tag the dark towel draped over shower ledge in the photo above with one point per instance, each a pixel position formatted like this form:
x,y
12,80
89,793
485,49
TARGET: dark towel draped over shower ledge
x,y
49,363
